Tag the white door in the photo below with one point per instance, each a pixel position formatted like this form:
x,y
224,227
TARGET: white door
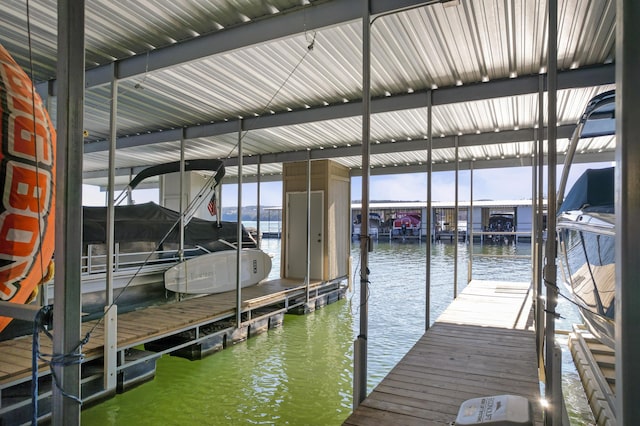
x,y
296,235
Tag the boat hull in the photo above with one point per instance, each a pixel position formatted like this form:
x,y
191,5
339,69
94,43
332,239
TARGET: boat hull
x,y
587,256
217,272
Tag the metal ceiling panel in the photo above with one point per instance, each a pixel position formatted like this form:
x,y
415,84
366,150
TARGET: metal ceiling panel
x,y
423,48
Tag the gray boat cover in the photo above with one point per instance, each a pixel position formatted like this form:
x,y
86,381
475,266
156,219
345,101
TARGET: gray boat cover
x,y
593,191
150,222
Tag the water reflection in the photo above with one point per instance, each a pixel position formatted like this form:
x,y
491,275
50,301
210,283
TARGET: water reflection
x,y
301,374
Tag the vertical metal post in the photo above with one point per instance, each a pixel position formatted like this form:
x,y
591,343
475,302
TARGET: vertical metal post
x,y
68,246
541,303
129,192
558,404
181,193
360,348
554,400
258,234
627,206
470,222
455,247
427,306
534,215
308,273
110,320
239,233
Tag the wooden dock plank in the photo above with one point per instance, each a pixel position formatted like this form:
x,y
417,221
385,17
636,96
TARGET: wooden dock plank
x,y
144,324
480,346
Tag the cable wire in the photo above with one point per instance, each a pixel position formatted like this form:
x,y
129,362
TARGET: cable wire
x,y
310,47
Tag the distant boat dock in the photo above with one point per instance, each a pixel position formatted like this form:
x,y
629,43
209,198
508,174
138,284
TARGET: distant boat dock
x,y
444,223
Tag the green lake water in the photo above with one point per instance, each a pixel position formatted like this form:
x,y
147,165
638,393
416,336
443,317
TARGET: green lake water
x,y
301,373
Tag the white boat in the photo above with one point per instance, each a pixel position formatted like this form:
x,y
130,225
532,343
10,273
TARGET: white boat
x,y
216,272
147,241
586,228
586,237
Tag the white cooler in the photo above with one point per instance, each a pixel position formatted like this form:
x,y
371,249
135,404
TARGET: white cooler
x,y
500,410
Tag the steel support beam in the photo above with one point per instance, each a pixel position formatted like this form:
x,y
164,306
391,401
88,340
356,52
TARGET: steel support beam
x,y
552,389
429,147
527,85
360,344
627,206
68,246
239,234
288,23
111,310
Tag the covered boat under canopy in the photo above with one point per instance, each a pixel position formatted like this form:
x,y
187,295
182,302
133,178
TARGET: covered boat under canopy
x,y
158,228
592,191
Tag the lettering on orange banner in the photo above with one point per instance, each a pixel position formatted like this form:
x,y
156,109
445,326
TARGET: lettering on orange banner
x,y
27,168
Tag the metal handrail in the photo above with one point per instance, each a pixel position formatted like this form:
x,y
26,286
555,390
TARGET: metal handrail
x,y
96,263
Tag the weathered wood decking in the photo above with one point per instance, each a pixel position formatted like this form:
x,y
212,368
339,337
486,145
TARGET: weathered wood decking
x,y
482,345
148,324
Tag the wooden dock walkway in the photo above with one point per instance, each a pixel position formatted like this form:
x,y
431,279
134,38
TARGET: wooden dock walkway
x,y
482,345
206,323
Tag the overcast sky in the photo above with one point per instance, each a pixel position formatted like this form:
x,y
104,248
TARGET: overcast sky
x,y
488,184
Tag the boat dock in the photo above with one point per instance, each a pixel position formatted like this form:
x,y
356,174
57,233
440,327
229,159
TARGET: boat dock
x,y
482,345
192,328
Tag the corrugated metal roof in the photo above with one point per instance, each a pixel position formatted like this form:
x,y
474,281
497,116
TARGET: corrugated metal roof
x,y
427,48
